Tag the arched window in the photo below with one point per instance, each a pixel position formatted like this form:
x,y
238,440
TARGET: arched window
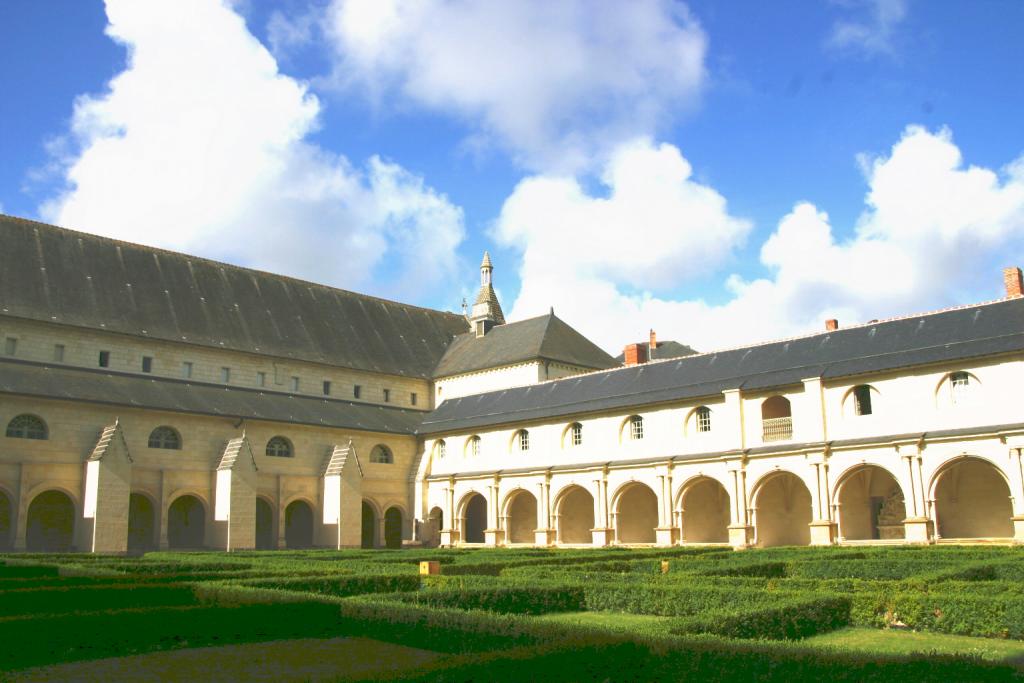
x,y
279,447
473,446
381,454
959,387
776,419
702,419
636,428
575,434
440,448
522,440
165,437
862,400
27,427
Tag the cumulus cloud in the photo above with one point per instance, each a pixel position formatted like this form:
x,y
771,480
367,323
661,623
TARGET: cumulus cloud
x,y
933,231
200,145
873,35
554,82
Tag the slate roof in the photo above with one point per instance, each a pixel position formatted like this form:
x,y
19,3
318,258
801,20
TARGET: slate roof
x,y
56,275
546,337
663,350
89,385
945,336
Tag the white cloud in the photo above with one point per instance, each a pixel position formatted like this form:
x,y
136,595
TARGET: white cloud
x,y
872,36
199,145
933,232
554,82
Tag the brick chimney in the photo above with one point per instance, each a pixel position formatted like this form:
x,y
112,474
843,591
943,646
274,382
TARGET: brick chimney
x,y
1013,281
831,325
653,345
635,354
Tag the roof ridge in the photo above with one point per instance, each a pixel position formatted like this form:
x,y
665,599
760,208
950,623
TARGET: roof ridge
x,y
193,257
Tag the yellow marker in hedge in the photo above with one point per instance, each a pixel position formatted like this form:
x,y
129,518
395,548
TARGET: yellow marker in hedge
x,y
664,566
429,568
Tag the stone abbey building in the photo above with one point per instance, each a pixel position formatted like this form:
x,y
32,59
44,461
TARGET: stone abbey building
x,y
152,399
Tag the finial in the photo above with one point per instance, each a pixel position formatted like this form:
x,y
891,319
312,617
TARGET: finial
x,y
486,263
465,307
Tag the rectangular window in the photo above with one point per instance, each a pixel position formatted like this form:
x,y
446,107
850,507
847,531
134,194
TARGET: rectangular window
x,y
327,388
104,359
577,434
58,353
261,379
147,364
387,395
225,375
862,396
357,391
186,370
412,398
10,346
295,383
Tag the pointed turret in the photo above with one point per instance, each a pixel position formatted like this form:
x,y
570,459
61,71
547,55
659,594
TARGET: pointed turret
x,y
486,309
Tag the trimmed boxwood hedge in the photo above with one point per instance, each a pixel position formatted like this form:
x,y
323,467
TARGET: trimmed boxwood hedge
x,y
790,620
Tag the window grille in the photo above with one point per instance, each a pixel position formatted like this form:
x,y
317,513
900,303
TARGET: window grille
x,y
165,437
381,454
576,434
279,447
524,440
27,427
636,428
703,419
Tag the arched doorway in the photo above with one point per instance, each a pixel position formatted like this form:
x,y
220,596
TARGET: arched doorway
x,y
186,523
972,500
576,516
636,514
521,517
298,525
434,525
141,524
50,524
783,511
369,538
871,505
475,519
264,525
705,512
393,528
5,522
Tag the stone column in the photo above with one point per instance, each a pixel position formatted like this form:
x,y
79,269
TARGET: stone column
x,y
545,534
822,528
663,532
918,527
494,533
601,532
741,530
449,533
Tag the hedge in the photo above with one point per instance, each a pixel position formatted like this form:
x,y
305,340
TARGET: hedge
x,y
537,600
791,620
340,585
62,600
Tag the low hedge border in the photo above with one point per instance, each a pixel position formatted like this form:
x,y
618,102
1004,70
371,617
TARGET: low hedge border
x,y
791,620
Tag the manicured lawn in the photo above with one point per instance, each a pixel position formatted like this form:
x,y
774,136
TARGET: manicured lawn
x,y
616,622
899,642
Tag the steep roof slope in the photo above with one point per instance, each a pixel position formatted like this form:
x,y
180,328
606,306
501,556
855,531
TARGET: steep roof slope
x,y
56,275
546,337
967,332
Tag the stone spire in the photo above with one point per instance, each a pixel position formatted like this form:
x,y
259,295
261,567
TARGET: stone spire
x,y
486,309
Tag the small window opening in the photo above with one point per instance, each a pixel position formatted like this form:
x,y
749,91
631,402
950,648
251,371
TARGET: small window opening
x,y
225,375
104,359
327,388
703,419
295,383
387,395
357,391
186,370
58,353
10,346
524,440
261,379
862,399
412,398
147,364
576,434
636,428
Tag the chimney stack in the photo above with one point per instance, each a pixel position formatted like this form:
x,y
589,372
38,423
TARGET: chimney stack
x,y
653,345
635,354
1013,281
831,325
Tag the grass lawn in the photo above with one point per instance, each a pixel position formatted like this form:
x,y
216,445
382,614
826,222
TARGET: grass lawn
x,y
617,622
898,642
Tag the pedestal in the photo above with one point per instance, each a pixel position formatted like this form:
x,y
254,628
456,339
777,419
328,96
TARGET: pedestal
x,y
663,535
449,537
494,537
1018,528
823,532
544,537
918,530
741,536
602,537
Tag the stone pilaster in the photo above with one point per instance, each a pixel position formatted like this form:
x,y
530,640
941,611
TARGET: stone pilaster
x,y
108,488
235,502
342,485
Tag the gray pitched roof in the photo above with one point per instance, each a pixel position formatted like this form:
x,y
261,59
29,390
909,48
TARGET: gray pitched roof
x,y
546,337
73,278
945,336
27,378
663,350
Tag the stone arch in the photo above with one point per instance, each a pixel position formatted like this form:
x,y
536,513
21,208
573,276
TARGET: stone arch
x,y
50,522
949,393
473,513
265,527
434,524
636,513
853,403
782,510
870,504
693,424
369,525
141,522
971,499
574,510
703,506
632,428
186,522
5,521
298,524
393,527
520,516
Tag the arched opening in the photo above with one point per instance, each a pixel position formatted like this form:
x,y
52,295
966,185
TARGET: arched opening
x,y
521,517
382,454
776,419
298,525
264,525
576,516
871,506
475,519
141,524
393,528
186,523
50,523
636,514
972,500
783,511
434,525
369,537
5,522
705,512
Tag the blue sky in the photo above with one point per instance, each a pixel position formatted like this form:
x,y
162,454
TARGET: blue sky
x,y
722,172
